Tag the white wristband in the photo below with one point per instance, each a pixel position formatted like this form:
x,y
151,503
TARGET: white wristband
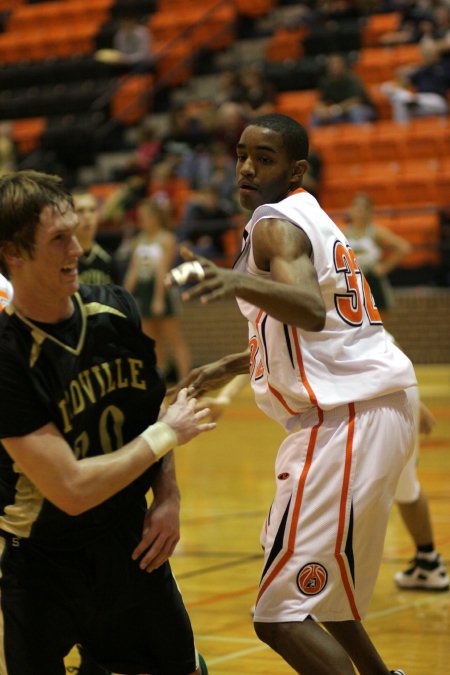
x,y
161,438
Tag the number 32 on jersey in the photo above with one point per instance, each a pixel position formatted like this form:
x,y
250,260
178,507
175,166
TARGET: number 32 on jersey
x,y
358,300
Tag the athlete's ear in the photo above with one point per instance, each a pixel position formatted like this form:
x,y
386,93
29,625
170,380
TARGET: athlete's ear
x,y
298,170
12,254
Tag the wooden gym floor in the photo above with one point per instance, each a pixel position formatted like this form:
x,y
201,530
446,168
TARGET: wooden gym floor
x,y
227,486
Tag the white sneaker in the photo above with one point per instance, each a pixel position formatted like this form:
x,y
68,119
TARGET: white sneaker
x,y
424,574
398,672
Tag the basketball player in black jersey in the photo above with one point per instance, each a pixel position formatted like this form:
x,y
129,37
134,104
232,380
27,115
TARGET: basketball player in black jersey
x,y
95,265
83,439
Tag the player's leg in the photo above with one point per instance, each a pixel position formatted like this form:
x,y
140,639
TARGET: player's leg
x,y
326,531
35,628
385,438
301,574
141,624
383,441
358,645
426,571
306,647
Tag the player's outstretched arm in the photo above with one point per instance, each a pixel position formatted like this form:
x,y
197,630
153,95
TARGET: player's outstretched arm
x,y
427,420
291,295
76,485
213,375
218,404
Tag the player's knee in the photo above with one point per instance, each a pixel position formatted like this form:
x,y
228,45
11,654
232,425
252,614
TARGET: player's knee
x,y
407,492
270,633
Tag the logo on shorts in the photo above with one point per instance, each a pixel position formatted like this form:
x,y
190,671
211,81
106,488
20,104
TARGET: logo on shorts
x,y
283,476
312,578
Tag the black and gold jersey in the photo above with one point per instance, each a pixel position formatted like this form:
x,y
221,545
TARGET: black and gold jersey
x,y
97,266
94,376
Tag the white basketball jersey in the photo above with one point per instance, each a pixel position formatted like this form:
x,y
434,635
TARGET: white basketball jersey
x,y
6,292
351,359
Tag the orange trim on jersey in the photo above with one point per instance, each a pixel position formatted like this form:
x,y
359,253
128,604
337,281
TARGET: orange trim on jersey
x,y
342,513
297,191
279,396
298,352
296,510
305,382
258,318
272,389
3,299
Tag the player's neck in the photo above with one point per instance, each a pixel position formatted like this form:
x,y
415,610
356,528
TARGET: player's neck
x,y
42,311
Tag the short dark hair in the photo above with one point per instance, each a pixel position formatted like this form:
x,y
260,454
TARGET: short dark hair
x,y
295,136
23,196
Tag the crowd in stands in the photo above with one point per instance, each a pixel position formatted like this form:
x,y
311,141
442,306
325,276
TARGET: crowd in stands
x,y
342,96
420,90
189,166
132,46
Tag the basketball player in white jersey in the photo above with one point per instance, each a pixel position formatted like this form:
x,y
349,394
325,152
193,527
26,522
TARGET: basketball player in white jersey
x,y
322,365
6,292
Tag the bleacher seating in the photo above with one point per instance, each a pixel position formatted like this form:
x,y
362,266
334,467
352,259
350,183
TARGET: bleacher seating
x,y
377,25
286,44
51,85
375,65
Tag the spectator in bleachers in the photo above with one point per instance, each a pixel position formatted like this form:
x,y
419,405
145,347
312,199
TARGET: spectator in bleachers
x,y
342,96
229,125
416,22
118,204
204,222
185,127
377,249
132,48
134,44
258,93
229,89
223,176
338,10
441,15
211,165
441,38
420,91
146,153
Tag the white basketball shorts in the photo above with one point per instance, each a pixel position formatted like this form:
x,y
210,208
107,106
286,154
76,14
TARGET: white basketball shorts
x,y
408,486
324,535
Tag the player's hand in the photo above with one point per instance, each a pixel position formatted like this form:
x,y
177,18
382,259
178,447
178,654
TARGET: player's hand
x,y
160,534
216,406
203,379
185,417
210,282
426,419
